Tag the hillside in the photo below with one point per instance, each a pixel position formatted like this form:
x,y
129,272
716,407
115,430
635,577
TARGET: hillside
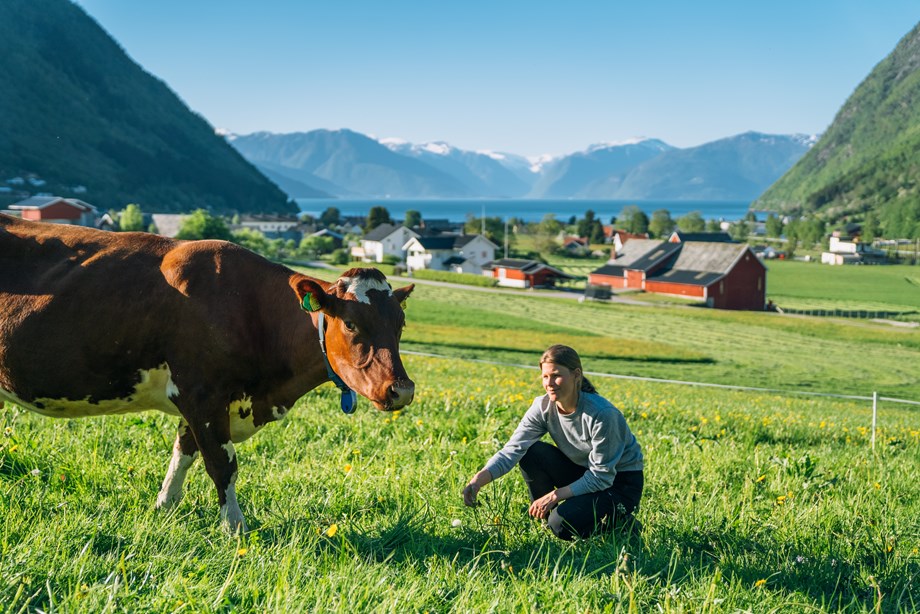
x,y
735,168
77,111
867,159
346,163
572,175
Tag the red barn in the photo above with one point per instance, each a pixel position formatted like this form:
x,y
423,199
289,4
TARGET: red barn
x,y
725,275
515,273
57,210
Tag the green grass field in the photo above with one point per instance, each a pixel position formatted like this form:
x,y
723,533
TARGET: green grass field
x,y
754,501
803,285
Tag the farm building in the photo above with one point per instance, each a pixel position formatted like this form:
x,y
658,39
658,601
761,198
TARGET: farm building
x,y
516,273
725,275
708,237
56,210
385,240
457,253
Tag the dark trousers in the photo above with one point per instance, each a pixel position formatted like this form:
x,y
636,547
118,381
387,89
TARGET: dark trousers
x,y
545,468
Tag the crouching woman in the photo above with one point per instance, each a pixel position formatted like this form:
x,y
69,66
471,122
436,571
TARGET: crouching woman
x,y
591,480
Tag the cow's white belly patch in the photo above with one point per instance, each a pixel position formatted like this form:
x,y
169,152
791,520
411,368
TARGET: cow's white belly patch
x,y
242,423
156,390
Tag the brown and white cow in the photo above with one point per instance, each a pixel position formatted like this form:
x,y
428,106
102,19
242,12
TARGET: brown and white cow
x,y
93,322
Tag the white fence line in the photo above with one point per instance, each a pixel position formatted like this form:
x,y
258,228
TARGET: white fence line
x,y
874,397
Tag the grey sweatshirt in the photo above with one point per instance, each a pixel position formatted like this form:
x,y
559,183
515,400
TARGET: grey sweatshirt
x,y
595,436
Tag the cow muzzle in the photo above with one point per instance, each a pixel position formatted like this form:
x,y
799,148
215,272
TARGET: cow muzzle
x,y
400,394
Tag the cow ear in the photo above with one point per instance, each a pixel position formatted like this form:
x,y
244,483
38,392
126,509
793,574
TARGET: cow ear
x,y
403,293
312,296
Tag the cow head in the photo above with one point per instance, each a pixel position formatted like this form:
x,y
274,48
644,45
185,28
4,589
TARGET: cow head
x,y
364,321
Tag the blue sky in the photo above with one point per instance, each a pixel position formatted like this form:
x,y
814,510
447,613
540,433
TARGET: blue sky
x,y
529,78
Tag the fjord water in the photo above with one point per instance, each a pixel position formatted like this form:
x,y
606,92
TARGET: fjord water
x,y
529,210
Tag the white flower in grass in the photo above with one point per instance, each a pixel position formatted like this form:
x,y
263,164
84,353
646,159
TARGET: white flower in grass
x,y
456,522
36,472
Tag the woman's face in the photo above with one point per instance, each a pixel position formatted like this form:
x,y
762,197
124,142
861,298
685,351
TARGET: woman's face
x,y
561,384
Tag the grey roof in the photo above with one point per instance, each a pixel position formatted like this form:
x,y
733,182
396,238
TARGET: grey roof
x,y
446,242
612,270
635,249
455,260
382,232
709,257
654,257
527,266
168,224
692,278
706,237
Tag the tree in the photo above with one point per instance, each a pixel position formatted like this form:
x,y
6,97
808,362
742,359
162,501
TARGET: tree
x,y
413,218
661,224
692,222
251,239
545,233
376,216
740,230
713,226
313,247
495,228
633,220
870,228
590,227
330,217
202,225
131,219
774,226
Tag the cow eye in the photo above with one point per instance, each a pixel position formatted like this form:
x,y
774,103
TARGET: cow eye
x,y
350,326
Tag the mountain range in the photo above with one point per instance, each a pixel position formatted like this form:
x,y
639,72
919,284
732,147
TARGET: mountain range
x,y
347,164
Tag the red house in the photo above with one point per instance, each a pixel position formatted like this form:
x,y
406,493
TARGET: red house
x,y
515,273
725,275
56,210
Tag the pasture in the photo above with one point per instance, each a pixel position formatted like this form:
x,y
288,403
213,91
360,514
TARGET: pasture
x,y
754,501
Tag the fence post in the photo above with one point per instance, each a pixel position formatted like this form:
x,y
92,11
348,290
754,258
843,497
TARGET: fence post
x,y
874,417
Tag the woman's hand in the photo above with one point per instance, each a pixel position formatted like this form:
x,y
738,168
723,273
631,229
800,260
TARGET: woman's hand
x,y
472,488
541,507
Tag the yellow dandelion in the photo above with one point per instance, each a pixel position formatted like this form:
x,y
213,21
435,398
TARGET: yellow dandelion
x,y
762,478
780,500
347,468
418,422
759,583
877,486
332,530
242,551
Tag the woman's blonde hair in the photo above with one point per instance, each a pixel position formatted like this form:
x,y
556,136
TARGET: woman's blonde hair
x,y
565,356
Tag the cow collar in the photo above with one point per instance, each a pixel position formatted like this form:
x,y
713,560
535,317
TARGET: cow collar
x,y
349,399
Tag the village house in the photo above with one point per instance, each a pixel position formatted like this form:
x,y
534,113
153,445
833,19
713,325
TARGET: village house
x,y
385,240
516,273
457,253
272,226
56,210
724,275
620,237
678,236
843,251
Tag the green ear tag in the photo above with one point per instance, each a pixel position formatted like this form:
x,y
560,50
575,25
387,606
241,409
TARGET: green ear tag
x,y
310,303
403,305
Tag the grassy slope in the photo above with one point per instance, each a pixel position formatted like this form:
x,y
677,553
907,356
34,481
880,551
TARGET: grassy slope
x,y
816,286
686,343
753,502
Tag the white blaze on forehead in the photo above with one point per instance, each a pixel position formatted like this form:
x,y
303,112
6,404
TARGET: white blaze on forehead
x,y
360,287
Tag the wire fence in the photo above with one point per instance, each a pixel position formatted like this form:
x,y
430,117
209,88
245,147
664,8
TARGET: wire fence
x,y
875,398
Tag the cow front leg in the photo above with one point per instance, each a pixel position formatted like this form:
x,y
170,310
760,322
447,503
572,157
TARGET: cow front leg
x,y
219,457
185,449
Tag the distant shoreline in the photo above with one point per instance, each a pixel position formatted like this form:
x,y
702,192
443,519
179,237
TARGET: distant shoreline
x,y
529,210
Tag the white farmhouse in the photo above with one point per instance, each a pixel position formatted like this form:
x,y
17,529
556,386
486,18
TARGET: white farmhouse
x,y
385,240
456,253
